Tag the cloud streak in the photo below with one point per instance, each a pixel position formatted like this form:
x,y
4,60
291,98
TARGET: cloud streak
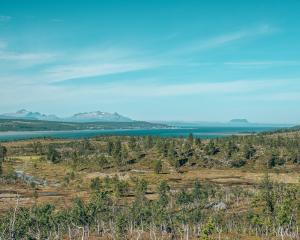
x,y
101,62
106,61
196,88
13,62
67,72
72,71
12,56
242,90
69,65
261,64
221,40
94,63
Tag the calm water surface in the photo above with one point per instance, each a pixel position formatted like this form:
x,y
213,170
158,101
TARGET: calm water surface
x,y
202,132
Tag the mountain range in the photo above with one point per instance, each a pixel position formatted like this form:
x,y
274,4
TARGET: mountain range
x,y
96,116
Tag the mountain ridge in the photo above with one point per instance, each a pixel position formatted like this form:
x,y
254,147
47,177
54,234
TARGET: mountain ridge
x,y
96,116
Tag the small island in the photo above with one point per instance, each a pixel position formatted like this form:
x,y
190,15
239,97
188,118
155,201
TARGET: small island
x,y
240,121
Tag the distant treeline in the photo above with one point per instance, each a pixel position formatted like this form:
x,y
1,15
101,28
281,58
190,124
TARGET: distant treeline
x,y
37,125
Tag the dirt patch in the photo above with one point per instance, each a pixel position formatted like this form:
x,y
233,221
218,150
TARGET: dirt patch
x,y
120,175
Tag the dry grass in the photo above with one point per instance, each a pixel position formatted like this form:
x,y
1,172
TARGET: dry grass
x,y
60,192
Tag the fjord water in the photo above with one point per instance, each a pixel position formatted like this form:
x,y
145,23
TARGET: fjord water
x,y
201,132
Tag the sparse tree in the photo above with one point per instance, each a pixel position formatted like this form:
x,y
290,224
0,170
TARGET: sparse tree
x,y
158,166
53,154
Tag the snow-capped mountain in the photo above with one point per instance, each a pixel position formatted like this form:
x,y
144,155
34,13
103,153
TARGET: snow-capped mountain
x,y
24,114
97,116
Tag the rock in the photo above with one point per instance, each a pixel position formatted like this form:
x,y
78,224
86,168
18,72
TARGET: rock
x,y
220,206
30,179
217,206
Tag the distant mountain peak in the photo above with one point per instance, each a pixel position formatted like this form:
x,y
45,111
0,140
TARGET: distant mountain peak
x,y
22,111
96,116
27,115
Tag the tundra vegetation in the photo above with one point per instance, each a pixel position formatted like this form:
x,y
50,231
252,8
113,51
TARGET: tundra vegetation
x,y
239,187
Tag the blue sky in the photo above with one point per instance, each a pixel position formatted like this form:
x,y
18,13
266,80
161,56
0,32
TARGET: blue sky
x,y
153,60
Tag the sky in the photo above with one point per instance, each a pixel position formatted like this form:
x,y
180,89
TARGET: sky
x,y
152,60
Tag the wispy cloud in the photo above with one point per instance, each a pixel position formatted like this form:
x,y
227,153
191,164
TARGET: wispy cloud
x,y
13,56
65,72
195,88
262,64
278,96
99,62
226,38
112,60
72,65
15,61
160,90
4,18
